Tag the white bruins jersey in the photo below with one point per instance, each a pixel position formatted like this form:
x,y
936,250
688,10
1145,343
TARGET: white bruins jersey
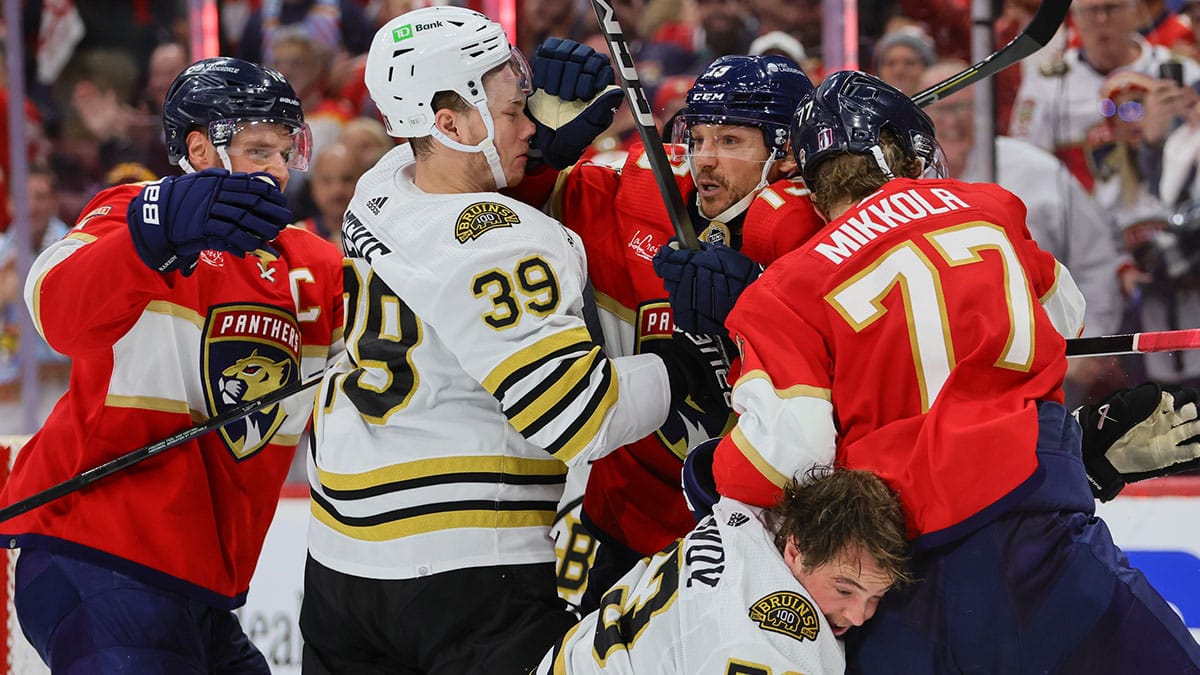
x,y
721,600
468,385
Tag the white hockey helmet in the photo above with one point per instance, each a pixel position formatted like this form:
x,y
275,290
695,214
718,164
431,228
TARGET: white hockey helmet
x,y
435,49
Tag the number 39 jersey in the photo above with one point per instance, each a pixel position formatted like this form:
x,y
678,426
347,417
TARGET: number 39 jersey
x,y
469,383
720,601
914,336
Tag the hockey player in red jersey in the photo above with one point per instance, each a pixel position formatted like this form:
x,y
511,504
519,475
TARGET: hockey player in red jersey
x,y
919,335
738,181
176,300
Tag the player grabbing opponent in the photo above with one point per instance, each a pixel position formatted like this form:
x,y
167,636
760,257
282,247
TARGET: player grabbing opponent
x,y
739,183
933,292
470,381
176,300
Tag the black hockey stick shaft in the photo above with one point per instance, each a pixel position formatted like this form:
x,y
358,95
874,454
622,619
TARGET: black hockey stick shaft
x,y
643,118
145,452
1037,34
1135,343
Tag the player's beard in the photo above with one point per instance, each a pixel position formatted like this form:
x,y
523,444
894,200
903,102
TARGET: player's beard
x,y
717,203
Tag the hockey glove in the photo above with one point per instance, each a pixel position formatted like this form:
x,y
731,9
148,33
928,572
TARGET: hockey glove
x,y
573,102
703,285
699,485
698,368
1139,433
176,218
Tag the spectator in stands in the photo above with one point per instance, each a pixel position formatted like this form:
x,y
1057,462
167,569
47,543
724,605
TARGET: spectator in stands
x,y
1123,152
367,140
306,61
541,19
335,171
1162,26
1059,107
724,27
902,55
339,23
1062,217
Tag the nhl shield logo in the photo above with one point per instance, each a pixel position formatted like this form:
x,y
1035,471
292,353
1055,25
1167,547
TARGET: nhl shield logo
x,y
249,351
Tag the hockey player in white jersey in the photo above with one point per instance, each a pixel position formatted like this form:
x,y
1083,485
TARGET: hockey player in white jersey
x,y
751,591
470,380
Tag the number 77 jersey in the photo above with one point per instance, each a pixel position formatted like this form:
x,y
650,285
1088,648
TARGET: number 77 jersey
x,y
913,337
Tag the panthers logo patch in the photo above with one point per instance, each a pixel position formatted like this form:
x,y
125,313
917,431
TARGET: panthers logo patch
x,y
787,613
481,217
249,351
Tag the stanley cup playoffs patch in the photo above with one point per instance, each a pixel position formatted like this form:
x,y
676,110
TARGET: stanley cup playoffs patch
x,y
787,613
249,351
481,217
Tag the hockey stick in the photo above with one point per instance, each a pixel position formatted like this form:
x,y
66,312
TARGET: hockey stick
x,y
1037,34
145,452
1135,343
644,121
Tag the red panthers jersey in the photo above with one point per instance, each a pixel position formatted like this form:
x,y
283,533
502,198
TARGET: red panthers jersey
x,y
151,355
911,337
634,493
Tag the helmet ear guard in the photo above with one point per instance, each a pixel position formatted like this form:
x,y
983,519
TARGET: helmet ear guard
x,y
229,92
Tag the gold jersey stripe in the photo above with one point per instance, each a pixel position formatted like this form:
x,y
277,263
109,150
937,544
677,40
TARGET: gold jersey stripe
x,y
531,355
424,468
435,522
552,394
755,458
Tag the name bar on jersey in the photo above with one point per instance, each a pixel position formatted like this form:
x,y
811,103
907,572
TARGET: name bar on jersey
x,y
883,215
251,324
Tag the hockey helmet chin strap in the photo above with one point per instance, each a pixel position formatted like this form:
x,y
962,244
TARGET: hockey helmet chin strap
x,y
742,204
487,146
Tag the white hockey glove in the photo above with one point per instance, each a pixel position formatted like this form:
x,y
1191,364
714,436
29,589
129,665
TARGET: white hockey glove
x,y
1139,433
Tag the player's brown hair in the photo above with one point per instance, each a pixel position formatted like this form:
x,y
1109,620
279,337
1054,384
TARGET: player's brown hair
x,y
831,510
848,177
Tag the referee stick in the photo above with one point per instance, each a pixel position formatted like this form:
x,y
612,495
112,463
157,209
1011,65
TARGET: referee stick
x,y
146,452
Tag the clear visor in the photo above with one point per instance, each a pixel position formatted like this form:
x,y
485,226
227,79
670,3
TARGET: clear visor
x,y
723,138
521,67
264,141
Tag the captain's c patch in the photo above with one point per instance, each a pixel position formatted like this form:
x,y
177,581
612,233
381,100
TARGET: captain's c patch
x,y
787,613
481,217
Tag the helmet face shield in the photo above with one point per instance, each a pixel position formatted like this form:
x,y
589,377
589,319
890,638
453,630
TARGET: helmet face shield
x,y
264,141
521,67
725,137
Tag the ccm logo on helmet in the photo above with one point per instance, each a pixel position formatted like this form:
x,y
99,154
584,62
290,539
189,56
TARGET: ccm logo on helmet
x,y
407,30
709,96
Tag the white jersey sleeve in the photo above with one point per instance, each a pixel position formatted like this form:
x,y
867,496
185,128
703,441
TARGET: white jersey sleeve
x,y
720,600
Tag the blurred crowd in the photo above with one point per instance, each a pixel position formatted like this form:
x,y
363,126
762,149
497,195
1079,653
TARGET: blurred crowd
x,y
1100,131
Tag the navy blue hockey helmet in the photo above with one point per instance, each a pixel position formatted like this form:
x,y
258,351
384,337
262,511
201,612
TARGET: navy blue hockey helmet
x,y
760,91
847,113
219,93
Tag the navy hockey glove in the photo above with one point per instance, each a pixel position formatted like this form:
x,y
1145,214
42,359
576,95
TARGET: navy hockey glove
x,y
1139,433
573,102
173,220
699,486
698,369
702,285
